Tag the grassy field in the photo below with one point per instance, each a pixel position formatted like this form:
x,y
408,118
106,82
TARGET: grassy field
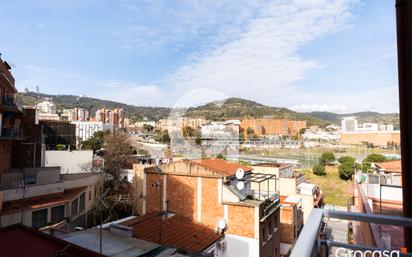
x,y
335,190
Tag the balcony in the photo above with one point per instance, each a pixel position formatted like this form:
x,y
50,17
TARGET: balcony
x,y
10,133
312,241
8,104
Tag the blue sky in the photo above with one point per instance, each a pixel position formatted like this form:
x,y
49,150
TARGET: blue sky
x,y
326,55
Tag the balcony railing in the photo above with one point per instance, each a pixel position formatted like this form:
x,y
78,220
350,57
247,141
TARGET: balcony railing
x,y
8,100
310,242
10,133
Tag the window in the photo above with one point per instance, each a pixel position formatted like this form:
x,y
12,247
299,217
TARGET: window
x,y
82,202
57,214
74,207
90,195
39,218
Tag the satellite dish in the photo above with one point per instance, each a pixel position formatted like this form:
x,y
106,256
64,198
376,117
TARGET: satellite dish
x,y
240,185
240,173
222,224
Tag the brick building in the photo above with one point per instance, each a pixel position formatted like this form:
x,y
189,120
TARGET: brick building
x,y
273,127
208,192
10,117
377,138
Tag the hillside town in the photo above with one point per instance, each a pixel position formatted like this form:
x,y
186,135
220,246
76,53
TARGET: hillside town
x,y
100,181
151,166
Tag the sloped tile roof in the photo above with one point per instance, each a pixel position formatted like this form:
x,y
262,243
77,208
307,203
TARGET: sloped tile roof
x,y
175,231
224,167
391,166
42,200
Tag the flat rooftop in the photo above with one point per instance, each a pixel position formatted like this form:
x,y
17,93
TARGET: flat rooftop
x,y
114,243
18,240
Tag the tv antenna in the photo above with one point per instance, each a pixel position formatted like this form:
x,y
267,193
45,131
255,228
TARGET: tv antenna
x,y
102,204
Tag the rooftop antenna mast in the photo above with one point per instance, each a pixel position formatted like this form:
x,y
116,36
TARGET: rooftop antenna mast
x,y
22,187
102,204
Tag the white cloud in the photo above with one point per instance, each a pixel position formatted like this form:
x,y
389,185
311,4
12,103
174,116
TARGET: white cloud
x,y
129,92
263,62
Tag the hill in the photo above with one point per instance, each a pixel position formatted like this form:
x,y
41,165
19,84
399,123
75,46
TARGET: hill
x,y
93,104
237,108
231,108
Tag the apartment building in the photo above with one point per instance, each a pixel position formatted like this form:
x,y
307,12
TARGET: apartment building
x,y
10,116
290,183
114,117
47,110
273,127
86,129
217,194
37,197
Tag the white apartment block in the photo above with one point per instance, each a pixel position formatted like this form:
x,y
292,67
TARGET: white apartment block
x,y
86,129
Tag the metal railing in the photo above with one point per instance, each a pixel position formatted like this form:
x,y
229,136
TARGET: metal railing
x,y
8,100
10,132
310,242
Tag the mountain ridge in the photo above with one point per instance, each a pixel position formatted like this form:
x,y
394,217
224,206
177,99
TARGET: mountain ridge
x,y
230,108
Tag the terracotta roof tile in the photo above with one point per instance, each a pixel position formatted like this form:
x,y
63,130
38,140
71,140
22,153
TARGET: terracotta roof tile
x,y
176,231
391,166
41,200
222,166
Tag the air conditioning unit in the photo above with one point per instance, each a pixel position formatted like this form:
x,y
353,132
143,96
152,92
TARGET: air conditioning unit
x,y
222,244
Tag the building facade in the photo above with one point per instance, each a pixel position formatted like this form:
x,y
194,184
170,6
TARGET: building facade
x,y
207,191
273,127
86,129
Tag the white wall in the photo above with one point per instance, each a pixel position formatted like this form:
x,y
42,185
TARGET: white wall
x,y
388,193
69,161
238,246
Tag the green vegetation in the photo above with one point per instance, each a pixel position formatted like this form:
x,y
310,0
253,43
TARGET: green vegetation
x,y
319,170
346,170
95,142
231,108
375,158
327,158
344,159
366,163
188,131
221,156
93,104
347,167
162,137
334,189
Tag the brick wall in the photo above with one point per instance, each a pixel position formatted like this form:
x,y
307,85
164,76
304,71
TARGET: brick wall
x,y
182,195
153,193
212,210
241,220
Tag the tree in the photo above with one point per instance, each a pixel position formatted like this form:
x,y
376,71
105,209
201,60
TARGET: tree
x,y
96,141
148,127
346,170
344,159
375,158
116,157
188,131
319,170
327,158
162,137
221,156
249,131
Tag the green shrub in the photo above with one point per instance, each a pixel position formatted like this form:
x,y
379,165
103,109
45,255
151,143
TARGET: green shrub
x,y
327,158
346,170
375,158
344,159
319,170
